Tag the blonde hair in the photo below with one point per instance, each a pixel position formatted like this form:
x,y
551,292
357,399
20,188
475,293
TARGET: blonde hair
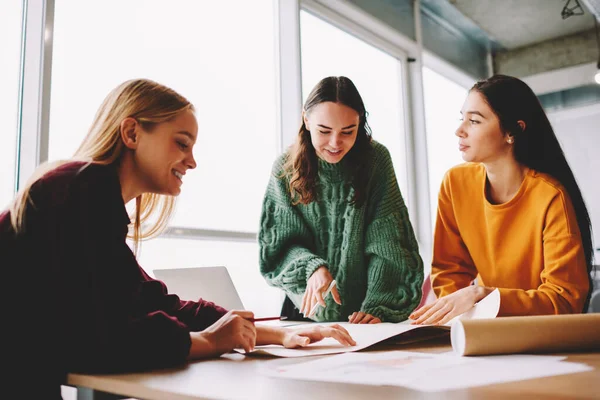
x,y
150,103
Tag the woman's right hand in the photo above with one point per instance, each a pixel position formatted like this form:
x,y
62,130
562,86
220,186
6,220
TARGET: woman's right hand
x,y
234,330
315,288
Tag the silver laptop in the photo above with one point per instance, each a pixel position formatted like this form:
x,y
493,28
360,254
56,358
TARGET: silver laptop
x,y
209,283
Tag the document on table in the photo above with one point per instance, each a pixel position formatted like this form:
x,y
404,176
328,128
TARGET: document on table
x,y
425,372
366,335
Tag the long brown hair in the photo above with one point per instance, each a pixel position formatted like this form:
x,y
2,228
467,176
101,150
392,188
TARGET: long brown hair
x,y
150,103
301,166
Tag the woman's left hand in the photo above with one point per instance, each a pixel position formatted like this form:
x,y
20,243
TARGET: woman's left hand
x,y
445,308
359,317
311,334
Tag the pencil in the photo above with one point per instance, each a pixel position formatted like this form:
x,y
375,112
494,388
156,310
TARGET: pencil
x,y
267,319
314,309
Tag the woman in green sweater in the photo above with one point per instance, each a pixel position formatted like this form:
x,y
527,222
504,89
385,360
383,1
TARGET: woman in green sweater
x,y
333,218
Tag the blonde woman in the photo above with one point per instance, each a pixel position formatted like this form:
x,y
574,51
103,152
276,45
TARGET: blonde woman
x,y
79,301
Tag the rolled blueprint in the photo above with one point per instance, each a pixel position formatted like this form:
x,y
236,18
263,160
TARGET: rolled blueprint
x,y
529,334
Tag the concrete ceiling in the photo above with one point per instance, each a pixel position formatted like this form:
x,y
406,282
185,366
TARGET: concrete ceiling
x,y
519,23
531,37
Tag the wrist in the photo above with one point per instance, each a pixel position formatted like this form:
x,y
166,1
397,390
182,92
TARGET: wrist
x,y
266,335
481,292
202,346
281,334
313,266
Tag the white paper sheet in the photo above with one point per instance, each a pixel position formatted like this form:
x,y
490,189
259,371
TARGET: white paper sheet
x,y
368,335
425,372
489,307
364,336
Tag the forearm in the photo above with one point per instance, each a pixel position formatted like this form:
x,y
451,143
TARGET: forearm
x,y
293,270
269,335
541,301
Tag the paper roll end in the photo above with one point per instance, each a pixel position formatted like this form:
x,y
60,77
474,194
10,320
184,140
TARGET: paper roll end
x,y
457,338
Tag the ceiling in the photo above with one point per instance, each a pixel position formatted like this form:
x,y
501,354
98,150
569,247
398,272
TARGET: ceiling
x,y
518,23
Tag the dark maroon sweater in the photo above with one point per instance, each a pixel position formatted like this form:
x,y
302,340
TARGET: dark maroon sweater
x,y
76,298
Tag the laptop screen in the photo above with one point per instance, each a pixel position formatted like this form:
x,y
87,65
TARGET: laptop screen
x,y
207,283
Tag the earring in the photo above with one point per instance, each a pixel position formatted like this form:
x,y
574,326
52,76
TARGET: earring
x,y
510,141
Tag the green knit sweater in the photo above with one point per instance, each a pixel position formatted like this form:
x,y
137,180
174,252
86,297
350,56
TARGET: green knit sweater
x,y
371,250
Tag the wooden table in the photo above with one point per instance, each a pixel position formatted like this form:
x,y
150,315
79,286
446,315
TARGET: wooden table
x,y
234,376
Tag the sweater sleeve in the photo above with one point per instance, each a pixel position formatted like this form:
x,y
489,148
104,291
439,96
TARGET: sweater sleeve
x,y
452,267
565,284
113,326
395,268
286,246
196,315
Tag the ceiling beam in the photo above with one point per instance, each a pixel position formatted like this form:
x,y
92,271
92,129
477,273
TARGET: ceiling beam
x,y
561,79
547,56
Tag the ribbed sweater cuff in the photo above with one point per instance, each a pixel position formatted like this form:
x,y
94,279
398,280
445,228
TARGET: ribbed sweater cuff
x,y
314,264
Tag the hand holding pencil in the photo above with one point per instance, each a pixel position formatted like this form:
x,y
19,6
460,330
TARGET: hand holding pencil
x,y
318,287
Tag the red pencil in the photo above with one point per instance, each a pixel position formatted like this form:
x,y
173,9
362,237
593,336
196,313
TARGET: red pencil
x,y
267,319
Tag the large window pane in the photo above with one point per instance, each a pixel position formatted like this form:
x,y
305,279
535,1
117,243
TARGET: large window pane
x,y
10,48
442,114
329,51
220,55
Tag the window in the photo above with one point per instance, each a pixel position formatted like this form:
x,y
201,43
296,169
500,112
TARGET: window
x,y
329,51
220,55
10,43
442,114
222,61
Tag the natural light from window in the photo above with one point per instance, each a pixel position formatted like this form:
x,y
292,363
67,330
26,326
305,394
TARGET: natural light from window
x,y
224,63
442,114
10,44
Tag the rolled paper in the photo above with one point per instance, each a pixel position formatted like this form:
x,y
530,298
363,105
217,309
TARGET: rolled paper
x,y
527,334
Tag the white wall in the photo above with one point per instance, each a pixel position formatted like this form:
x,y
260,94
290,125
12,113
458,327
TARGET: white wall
x,y
578,131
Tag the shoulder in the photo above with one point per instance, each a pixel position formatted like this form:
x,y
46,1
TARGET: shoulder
x,y
380,158
464,176
465,170
545,187
462,181
547,183
550,199
277,189
279,164
380,153
72,179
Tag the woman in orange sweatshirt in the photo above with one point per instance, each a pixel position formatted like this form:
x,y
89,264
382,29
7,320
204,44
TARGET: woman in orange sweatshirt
x,y
512,217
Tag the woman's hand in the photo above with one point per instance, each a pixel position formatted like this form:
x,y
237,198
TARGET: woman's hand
x,y
234,330
311,334
317,284
360,317
445,308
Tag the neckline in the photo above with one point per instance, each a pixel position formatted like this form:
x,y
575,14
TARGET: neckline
x,y
522,188
332,172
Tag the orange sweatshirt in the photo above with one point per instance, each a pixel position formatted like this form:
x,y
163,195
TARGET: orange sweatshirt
x,y
530,247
